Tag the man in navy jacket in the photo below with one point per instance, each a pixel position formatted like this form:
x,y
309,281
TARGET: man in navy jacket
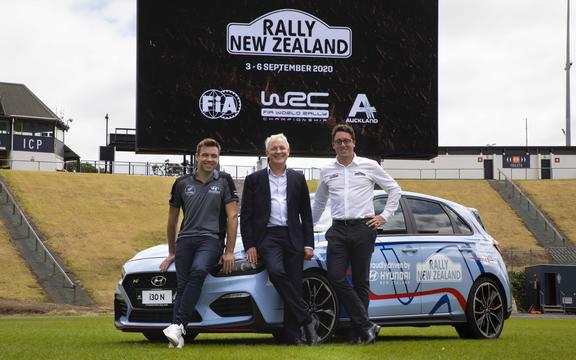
x,y
276,224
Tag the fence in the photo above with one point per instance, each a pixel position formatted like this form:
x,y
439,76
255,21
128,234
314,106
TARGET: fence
x,y
518,259
537,173
136,168
241,171
448,173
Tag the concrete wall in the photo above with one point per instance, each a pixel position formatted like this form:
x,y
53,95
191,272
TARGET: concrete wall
x,y
472,167
563,166
28,160
440,167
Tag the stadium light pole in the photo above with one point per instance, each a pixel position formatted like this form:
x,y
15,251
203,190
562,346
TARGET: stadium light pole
x,y
106,117
106,142
567,68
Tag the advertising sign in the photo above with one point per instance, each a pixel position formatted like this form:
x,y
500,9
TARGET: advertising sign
x,y
516,161
33,143
239,71
4,142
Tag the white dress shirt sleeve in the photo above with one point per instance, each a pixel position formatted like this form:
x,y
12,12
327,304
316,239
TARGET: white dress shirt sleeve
x,y
391,187
320,199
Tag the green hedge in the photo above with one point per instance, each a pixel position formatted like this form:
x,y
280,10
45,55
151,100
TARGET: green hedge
x,y
517,283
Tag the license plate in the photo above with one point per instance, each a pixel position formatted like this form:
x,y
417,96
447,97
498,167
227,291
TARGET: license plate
x,y
156,297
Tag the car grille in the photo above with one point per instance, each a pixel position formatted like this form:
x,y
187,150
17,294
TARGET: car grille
x,y
226,306
134,284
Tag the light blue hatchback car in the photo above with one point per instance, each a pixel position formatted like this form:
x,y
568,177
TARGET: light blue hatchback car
x,y
433,264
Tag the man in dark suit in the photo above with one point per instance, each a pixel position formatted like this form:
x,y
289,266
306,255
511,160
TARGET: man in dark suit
x,y
276,223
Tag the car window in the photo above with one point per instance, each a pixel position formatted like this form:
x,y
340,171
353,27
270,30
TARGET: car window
x,y
430,217
459,224
396,224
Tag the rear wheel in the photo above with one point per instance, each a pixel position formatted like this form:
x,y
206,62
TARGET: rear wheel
x,y
484,312
322,304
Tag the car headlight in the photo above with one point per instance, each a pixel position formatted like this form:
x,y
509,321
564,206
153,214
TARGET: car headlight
x,y
241,267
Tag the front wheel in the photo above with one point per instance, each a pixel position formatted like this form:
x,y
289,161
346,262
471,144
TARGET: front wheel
x,y
484,311
322,304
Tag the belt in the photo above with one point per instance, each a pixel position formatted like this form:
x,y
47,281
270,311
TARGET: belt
x,y
348,222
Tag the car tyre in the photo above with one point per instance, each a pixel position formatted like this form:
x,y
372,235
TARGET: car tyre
x,y
159,337
322,303
485,311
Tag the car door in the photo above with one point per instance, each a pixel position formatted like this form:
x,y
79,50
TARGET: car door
x,y
393,267
445,242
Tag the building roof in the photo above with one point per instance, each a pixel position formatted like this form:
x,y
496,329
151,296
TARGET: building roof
x,y
16,100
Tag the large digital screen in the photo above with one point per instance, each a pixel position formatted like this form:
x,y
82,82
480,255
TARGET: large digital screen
x,y
239,71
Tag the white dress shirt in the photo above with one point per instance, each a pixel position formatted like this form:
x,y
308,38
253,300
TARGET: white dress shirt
x,y
278,201
351,189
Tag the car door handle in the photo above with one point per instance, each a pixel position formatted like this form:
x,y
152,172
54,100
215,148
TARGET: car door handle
x,y
409,250
465,249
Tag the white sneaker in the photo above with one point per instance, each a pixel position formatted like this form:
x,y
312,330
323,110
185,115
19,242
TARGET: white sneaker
x,y
174,334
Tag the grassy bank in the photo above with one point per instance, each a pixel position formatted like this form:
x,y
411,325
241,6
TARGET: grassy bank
x,y
557,198
16,280
95,222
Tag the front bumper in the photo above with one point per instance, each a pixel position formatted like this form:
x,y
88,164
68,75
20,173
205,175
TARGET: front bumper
x,y
226,304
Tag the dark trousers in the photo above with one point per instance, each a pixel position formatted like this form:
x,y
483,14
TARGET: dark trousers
x,y
352,244
195,257
285,268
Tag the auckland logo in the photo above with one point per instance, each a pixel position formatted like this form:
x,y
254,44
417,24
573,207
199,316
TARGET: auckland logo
x,y
289,32
220,104
362,106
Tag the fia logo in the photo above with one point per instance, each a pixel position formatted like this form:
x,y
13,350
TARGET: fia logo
x,y
362,105
220,104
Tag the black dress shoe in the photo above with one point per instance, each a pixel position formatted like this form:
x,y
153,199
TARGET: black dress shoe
x,y
298,342
370,335
354,337
312,337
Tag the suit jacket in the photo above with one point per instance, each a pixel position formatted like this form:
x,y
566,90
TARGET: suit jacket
x,y
255,210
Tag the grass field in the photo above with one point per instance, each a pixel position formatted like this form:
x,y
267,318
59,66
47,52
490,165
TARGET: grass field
x,y
557,198
15,272
49,338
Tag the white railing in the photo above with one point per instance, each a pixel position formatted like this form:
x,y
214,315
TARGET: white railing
x,y
531,205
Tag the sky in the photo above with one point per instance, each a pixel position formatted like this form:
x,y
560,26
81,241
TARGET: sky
x,y
500,62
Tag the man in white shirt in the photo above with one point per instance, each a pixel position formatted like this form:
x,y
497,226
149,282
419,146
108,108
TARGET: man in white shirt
x,y
348,182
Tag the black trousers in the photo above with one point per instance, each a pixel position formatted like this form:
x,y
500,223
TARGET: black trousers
x,y
285,269
351,244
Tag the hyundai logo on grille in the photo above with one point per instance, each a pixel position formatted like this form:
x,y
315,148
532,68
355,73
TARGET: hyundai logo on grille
x,y
158,280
